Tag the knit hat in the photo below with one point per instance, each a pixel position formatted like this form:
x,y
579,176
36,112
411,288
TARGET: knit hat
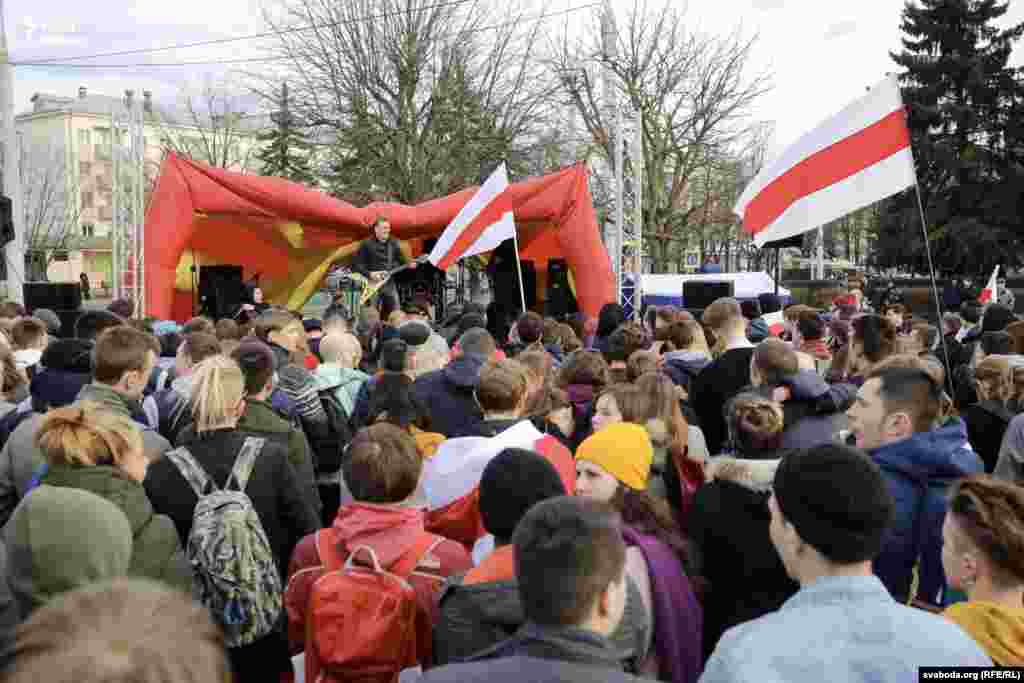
x,y
623,450
837,500
163,327
49,318
312,324
997,318
512,483
414,333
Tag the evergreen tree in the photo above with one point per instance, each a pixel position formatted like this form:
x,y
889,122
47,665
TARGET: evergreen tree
x,y
964,105
285,150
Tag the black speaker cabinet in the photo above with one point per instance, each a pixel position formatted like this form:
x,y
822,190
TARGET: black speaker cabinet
x,y
560,300
57,296
505,285
221,291
702,293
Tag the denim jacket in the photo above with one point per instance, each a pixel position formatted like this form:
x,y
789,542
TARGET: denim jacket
x,y
841,629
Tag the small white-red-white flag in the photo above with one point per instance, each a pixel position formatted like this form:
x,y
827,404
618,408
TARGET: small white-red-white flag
x,y
483,223
991,292
857,157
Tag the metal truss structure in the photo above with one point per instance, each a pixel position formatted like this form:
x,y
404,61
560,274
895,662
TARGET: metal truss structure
x,y
127,154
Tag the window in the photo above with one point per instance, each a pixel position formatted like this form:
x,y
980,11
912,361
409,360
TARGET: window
x,y
84,137
88,230
87,200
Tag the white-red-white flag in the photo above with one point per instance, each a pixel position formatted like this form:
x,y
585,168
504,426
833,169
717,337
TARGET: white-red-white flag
x,y
776,323
857,157
991,292
483,223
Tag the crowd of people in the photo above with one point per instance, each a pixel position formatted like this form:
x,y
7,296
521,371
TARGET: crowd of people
x,y
494,496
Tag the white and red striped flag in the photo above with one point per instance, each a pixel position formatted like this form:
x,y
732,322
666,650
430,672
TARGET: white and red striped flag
x,y
991,292
857,157
481,225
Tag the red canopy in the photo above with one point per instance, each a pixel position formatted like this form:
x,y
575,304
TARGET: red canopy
x,y
292,234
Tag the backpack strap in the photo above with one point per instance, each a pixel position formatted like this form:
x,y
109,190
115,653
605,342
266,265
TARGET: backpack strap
x,y
405,566
191,470
245,462
327,549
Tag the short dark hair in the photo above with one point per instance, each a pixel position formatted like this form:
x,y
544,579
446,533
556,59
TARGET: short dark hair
x,y
503,384
611,316
122,307
530,327
811,326
751,308
477,341
383,465
91,324
394,355
776,361
199,346
335,313
993,343
568,551
971,311
120,350
910,390
878,335
227,329
199,324
256,361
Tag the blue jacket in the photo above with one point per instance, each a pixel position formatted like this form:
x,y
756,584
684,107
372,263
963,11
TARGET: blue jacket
x,y
449,393
919,472
842,630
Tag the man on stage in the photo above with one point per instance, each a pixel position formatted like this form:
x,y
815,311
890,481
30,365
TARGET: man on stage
x,y
376,257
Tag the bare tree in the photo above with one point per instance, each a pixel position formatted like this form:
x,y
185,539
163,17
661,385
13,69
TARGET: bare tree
x,y
694,93
412,96
212,127
51,206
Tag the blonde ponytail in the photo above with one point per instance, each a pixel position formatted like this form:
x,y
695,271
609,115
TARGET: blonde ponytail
x,y
217,388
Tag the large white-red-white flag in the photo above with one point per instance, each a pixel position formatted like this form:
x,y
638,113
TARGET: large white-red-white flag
x,y
857,157
991,292
483,223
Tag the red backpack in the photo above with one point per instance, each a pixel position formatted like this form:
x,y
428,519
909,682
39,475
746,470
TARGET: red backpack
x,y
363,622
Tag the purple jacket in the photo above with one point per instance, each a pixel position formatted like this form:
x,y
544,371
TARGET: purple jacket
x,y
678,619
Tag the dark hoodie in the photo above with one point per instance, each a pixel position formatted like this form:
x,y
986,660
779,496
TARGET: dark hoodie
x,y
919,472
449,394
683,366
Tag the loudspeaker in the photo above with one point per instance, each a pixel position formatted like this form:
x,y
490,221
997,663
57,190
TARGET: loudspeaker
x,y
57,296
505,278
221,291
702,293
560,300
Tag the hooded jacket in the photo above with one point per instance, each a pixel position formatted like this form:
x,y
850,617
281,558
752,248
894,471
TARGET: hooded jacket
x,y
997,629
260,419
346,383
59,539
390,531
298,385
683,366
156,552
449,394
729,524
536,653
919,471
757,330
20,459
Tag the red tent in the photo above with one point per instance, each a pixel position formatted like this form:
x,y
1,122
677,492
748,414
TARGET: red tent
x,y
292,234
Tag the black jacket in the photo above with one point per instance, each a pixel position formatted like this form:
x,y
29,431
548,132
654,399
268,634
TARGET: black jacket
x,y
539,655
374,255
729,523
986,425
449,395
711,390
273,488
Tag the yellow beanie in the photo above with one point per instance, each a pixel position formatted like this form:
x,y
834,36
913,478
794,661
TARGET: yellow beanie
x,y
623,450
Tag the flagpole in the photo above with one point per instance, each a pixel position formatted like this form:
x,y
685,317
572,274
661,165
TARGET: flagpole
x,y
519,268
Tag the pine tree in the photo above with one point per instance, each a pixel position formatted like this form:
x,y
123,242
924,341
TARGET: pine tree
x,y
963,104
285,150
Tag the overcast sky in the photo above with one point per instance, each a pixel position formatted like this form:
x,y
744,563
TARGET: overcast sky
x,y
822,53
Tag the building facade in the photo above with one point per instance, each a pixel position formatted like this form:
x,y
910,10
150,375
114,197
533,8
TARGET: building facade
x,y
68,145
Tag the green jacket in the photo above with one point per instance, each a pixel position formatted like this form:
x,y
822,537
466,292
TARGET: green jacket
x,y
156,549
261,419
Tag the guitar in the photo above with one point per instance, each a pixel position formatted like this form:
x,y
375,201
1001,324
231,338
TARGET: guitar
x,y
370,288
